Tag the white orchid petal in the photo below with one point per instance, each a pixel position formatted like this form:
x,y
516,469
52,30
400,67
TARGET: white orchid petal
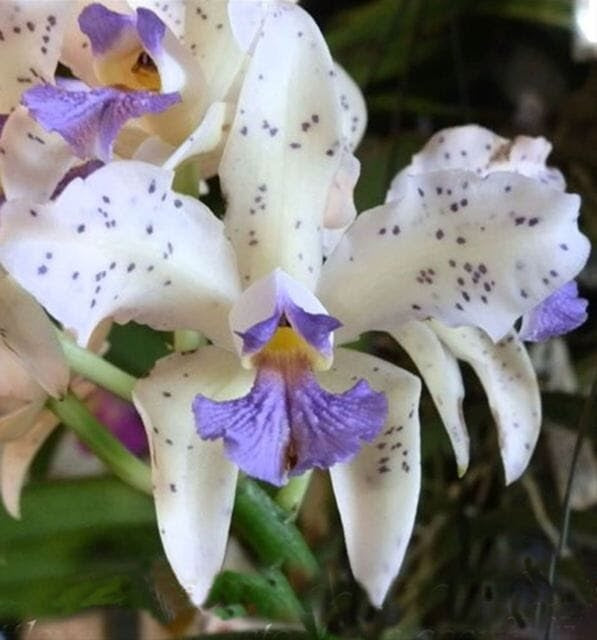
x,y
377,492
474,148
122,245
16,457
33,161
246,19
441,373
208,35
194,482
465,250
206,137
507,375
283,150
340,209
32,33
27,331
352,107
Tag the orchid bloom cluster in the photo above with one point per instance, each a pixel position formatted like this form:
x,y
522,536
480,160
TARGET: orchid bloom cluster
x,y
476,233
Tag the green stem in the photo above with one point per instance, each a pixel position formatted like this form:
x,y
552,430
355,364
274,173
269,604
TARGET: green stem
x,y
188,340
96,369
290,497
75,415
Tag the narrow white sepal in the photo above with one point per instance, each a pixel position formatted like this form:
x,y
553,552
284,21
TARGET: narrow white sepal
x,y
378,491
441,373
507,375
194,483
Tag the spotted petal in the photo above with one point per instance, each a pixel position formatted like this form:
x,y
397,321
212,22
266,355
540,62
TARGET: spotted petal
x,y
32,161
465,250
32,34
474,148
441,373
193,481
208,35
28,333
377,492
16,457
122,245
507,375
281,155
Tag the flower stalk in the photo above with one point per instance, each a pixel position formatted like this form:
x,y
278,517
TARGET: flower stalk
x,y
96,369
76,416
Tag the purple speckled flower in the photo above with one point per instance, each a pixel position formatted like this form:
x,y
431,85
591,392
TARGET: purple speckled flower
x,y
90,120
562,312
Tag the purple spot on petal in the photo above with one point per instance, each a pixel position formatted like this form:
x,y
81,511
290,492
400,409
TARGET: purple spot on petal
x,y
560,313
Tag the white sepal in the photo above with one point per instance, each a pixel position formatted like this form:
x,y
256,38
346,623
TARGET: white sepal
x,y
193,481
378,491
507,375
441,373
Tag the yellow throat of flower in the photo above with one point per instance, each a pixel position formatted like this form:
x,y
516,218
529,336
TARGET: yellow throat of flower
x,y
288,350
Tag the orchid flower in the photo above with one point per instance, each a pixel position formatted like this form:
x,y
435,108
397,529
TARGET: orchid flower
x,y
272,395
129,65
503,366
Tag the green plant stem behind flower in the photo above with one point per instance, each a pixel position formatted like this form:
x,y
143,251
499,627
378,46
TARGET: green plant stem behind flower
x,y
96,369
75,415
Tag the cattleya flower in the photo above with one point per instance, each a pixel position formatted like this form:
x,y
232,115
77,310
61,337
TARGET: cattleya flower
x,y
503,366
128,65
272,395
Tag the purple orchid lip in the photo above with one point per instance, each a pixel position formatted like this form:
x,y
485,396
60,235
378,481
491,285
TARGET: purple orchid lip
x,y
90,120
106,28
558,314
288,424
315,328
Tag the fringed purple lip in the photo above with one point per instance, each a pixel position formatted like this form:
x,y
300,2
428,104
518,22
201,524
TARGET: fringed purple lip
x,y
90,120
315,328
289,424
562,312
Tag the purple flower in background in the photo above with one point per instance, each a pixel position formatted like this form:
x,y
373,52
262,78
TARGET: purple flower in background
x,y
121,418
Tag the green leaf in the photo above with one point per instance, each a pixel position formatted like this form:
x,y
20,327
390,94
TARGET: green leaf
x,y
554,13
72,549
267,594
135,348
266,528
